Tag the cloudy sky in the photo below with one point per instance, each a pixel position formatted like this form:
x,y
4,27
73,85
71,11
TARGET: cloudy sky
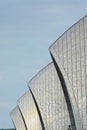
x,y
27,29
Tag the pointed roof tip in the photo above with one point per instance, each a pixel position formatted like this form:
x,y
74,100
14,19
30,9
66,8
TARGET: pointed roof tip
x,y
39,73
67,30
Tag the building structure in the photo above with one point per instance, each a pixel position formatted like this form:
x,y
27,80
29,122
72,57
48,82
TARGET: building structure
x,y
49,96
17,119
57,95
29,112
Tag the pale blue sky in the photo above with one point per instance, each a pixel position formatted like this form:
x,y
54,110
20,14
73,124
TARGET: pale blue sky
x,y
27,29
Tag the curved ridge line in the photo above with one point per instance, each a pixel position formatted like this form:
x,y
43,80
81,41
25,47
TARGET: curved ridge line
x,y
22,117
38,110
67,98
13,123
